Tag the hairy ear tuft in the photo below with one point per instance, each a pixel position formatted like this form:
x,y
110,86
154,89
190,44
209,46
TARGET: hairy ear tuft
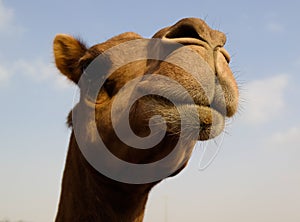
x,y
67,52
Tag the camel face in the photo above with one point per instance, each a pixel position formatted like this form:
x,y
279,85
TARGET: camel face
x,y
175,100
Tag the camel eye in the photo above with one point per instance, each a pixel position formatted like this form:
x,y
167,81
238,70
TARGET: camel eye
x,y
110,86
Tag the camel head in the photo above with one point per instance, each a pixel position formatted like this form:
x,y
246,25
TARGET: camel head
x,y
146,99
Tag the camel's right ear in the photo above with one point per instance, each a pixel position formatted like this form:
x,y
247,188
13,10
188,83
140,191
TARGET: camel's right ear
x,y
67,53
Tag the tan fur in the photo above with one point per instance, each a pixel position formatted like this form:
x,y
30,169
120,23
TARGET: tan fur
x,y
87,195
67,50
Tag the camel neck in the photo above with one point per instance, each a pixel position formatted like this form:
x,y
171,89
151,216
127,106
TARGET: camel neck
x,y
87,195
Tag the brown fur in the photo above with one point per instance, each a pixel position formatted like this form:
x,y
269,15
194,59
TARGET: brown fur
x,y
88,195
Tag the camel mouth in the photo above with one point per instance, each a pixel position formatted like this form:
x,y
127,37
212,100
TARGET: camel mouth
x,y
208,120
200,113
172,96
185,34
180,101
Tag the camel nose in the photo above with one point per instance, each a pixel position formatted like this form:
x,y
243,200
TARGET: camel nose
x,y
196,29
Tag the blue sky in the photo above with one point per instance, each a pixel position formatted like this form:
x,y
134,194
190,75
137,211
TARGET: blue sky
x,y
256,175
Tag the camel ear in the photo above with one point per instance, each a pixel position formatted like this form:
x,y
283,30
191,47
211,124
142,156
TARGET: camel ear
x,y
67,53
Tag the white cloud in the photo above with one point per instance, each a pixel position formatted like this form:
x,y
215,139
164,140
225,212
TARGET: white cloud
x,y
289,138
6,16
297,62
7,21
275,27
264,99
5,75
41,71
37,70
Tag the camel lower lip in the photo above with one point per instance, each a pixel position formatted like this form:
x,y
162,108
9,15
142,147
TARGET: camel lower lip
x,y
211,121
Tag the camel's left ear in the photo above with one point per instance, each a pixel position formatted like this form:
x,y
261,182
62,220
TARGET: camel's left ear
x,y
67,52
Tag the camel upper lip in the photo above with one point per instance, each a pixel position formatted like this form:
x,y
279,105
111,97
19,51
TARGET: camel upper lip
x,y
186,98
180,102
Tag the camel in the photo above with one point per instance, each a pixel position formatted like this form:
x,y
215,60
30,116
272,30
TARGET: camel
x,y
209,96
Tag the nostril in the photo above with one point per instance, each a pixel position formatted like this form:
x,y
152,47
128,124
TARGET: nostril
x,y
184,31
